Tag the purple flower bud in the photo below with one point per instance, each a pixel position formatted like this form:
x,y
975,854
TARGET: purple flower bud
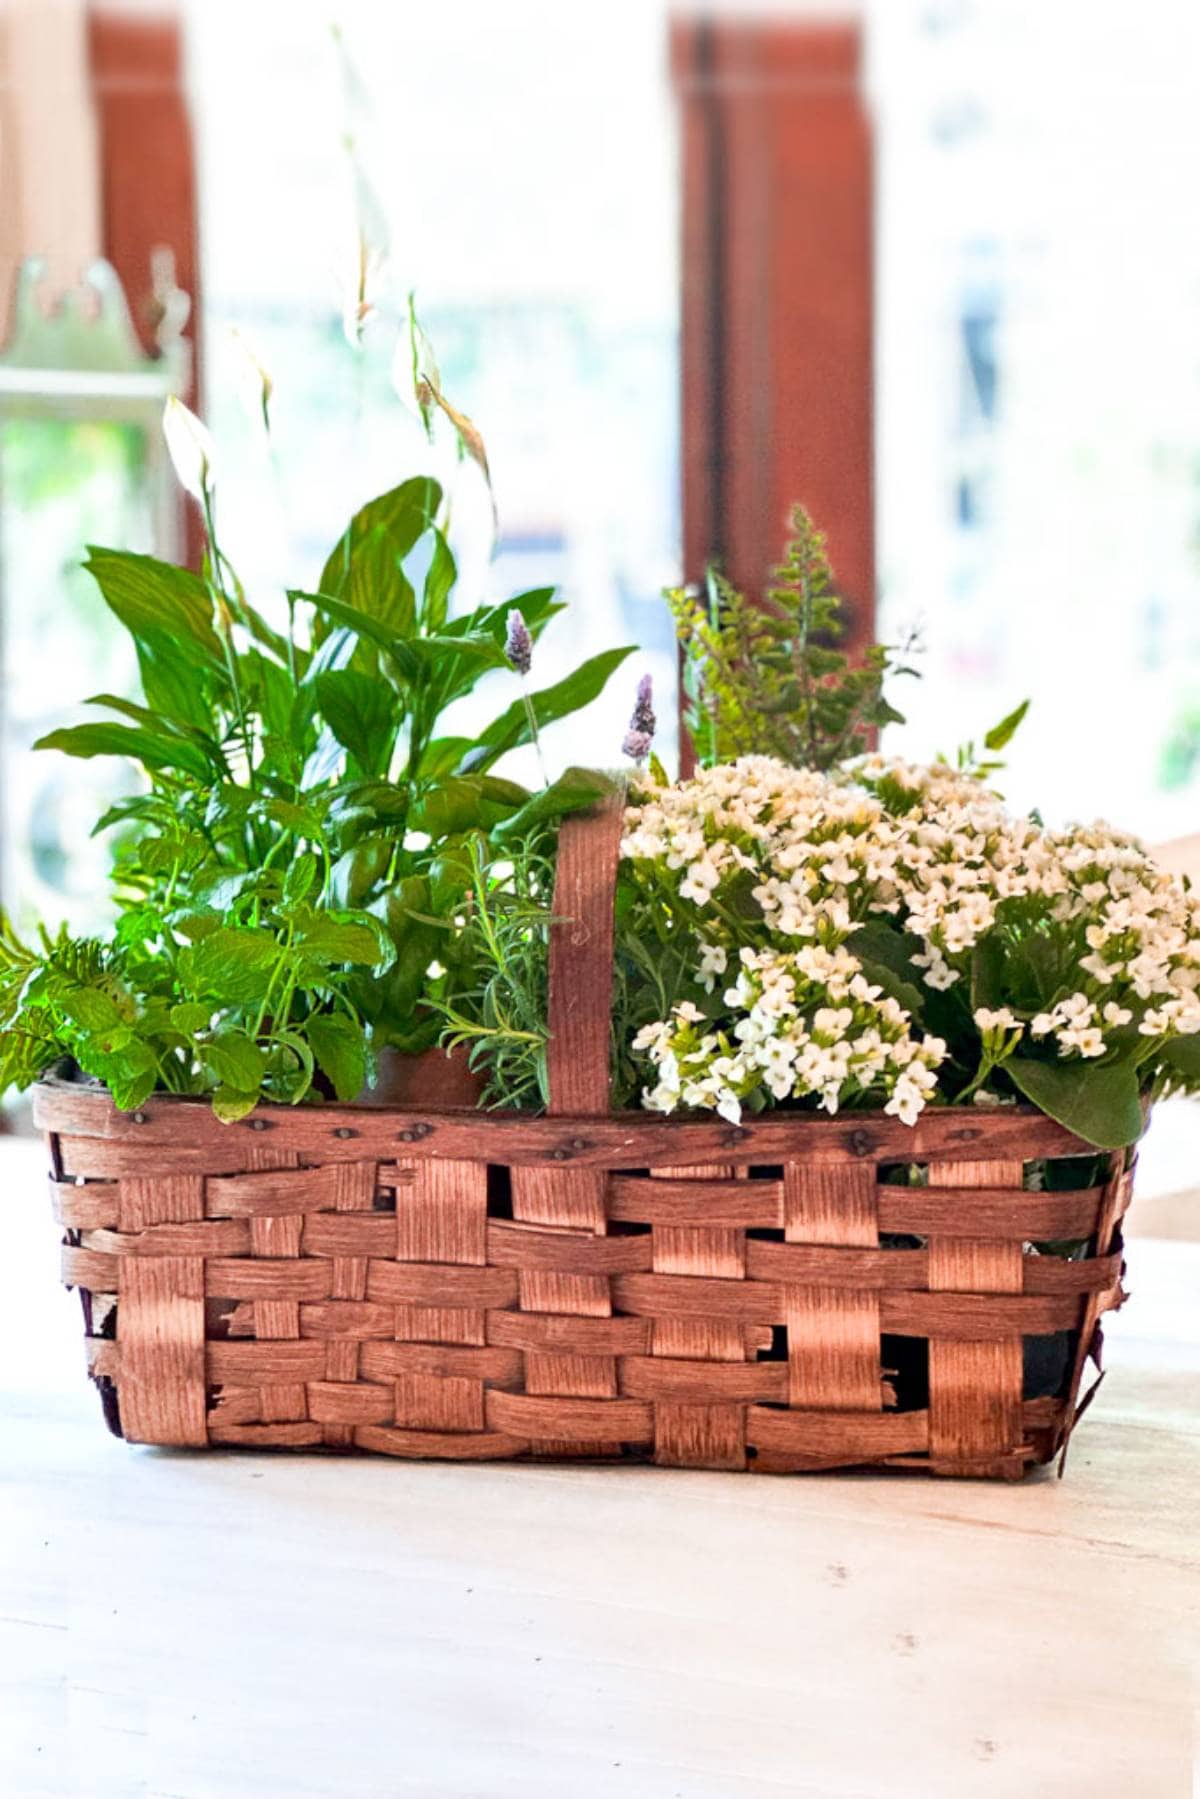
x,y
640,734
518,645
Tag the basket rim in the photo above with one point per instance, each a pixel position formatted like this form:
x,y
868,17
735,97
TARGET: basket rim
x,y
85,1109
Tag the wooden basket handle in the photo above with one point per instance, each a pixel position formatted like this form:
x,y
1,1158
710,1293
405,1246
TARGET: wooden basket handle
x,y
581,959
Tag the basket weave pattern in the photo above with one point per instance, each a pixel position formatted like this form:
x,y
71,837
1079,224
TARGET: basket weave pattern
x,y
482,1285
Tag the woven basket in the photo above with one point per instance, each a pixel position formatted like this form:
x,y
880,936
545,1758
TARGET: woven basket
x,y
457,1284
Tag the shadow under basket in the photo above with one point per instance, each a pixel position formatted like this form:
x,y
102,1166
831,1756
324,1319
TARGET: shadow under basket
x,y
437,1282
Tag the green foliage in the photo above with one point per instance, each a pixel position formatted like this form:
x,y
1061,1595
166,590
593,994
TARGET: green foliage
x,y
763,676
1098,1102
292,885
982,764
501,1017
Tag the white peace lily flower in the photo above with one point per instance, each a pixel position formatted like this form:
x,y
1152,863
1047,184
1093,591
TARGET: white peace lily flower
x,y
190,447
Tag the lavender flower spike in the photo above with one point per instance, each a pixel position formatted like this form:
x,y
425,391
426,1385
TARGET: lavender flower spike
x,y
518,645
640,734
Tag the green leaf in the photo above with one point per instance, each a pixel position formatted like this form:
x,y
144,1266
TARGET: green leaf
x,y
442,755
537,607
300,879
1098,1102
552,703
232,965
131,1089
362,941
904,992
358,871
234,1060
574,790
406,512
989,986
229,1105
90,1009
154,720
191,1017
439,583
1001,735
138,745
168,613
460,803
1181,1056
397,649
340,1048
377,584
362,714
150,597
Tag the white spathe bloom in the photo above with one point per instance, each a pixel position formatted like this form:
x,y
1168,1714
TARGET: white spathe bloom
x,y
190,447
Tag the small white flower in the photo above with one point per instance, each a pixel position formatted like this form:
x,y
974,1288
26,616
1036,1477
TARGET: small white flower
x,y
1002,1019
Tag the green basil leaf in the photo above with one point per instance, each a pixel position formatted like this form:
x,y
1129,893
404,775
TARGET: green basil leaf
x,y
359,870
464,803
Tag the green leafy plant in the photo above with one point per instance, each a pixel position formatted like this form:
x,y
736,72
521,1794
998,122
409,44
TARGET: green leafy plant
x,y
764,677
294,881
500,1019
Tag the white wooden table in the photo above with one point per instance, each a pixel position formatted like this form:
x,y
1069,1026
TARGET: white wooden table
x,y
184,1626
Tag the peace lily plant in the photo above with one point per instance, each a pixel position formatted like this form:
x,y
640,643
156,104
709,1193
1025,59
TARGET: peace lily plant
x,y
316,869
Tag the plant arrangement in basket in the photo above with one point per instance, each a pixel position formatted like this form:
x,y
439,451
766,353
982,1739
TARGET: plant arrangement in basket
x,y
292,876
317,869
805,922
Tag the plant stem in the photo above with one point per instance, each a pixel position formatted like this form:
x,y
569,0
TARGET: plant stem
x,y
531,715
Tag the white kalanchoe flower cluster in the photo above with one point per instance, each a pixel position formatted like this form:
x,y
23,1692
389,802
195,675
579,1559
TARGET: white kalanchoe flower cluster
x,y
766,871
808,1025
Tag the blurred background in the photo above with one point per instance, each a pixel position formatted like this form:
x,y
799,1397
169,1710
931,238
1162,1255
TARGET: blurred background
x,y
930,266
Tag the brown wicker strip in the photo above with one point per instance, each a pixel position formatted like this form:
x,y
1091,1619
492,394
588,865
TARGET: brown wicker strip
x,y
575,1421
976,1317
986,1212
570,1335
85,1208
641,1200
264,1364
853,1270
